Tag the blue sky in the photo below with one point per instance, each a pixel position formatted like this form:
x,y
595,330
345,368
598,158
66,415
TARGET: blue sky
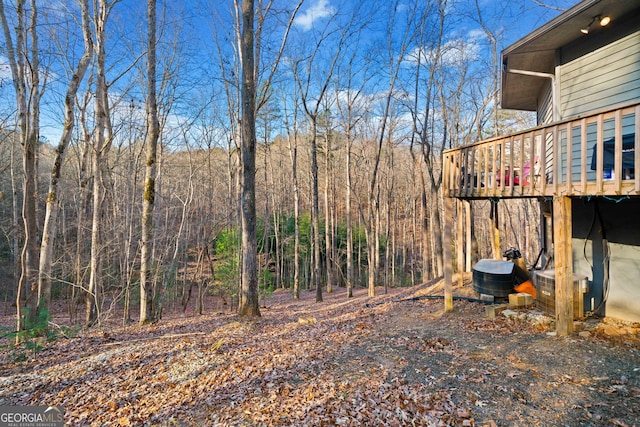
x,y
195,25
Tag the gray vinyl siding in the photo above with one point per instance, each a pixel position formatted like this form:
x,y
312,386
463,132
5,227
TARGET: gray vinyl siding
x,y
604,78
545,107
545,116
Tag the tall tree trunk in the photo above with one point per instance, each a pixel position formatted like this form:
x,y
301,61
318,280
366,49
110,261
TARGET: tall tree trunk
x,y
436,235
311,105
147,309
278,246
95,275
29,277
293,155
388,211
414,242
315,210
249,304
276,227
350,277
101,144
349,123
24,63
267,225
328,237
84,177
296,232
395,61
426,235
15,222
52,202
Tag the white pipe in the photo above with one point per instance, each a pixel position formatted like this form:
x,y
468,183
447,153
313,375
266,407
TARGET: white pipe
x,y
553,87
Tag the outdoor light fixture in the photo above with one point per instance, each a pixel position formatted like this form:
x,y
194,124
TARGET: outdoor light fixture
x,y
603,20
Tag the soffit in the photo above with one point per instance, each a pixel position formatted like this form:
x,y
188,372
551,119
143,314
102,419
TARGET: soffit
x,y
537,51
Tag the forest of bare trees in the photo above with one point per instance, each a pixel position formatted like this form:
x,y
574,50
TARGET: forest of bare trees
x,y
152,154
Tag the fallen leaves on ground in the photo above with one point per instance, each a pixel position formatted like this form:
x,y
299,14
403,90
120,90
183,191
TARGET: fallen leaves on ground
x,y
335,363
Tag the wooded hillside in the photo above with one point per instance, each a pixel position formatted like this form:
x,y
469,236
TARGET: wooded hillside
x,y
352,108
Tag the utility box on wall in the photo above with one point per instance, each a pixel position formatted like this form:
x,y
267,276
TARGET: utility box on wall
x,y
545,282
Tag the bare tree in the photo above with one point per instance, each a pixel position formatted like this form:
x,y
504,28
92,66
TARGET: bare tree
x,y
102,141
428,60
291,125
312,97
52,201
83,164
329,205
24,62
348,99
147,311
249,50
249,304
395,57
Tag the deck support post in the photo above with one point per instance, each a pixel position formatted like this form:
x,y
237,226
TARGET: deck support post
x,y
494,223
563,264
468,232
449,209
460,241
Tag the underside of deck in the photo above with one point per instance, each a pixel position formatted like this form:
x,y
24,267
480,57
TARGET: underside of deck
x,y
590,156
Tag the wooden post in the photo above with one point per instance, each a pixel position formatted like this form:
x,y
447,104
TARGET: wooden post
x,y
583,156
563,264
468,235
448,261
569,178
637,151
495,230
460,240
599,155
555,166
618,172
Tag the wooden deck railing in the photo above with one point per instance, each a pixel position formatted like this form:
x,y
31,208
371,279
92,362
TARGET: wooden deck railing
x,y
587,156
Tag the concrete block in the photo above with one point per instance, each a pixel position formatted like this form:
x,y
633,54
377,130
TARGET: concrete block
x,y
485,297
520,299
493,310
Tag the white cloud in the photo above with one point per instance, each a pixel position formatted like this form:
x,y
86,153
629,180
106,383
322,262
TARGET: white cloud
x,y
476,34
321,9
459,51
453,52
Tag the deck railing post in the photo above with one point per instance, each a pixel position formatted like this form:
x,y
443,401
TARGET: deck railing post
x,y
618,172
599,155
636,160
555,167
583,155
565,158
569,178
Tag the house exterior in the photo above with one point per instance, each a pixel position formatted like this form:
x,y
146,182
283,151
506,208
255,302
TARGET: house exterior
x,y
580,73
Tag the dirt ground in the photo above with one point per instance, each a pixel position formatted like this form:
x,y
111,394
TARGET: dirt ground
x,y
394,359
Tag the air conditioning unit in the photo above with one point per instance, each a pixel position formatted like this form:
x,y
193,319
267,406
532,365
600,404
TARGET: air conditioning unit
x,y
545,283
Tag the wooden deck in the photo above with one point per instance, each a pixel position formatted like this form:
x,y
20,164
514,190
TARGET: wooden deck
x,y
594,155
